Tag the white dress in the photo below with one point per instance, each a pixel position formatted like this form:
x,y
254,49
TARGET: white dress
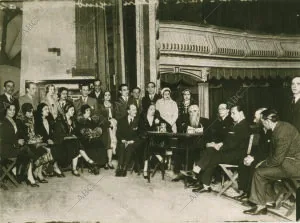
x,y
168,111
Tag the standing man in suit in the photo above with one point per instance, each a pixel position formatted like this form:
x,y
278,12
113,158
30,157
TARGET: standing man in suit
x,y
85,99
30,96
127,134
62,94
136,100
230,151
282,162
295,105
150,97
8,98
183,107
97,93
122,102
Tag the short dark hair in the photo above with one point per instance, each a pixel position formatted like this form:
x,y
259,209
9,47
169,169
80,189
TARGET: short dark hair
x,y
151,82
84,108
136,88
60,90
270,114
8,81
27,84
26,107
67,107
122,85
239,107
84,84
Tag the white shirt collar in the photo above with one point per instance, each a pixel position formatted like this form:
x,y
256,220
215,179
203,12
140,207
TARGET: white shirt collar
x,y
8,96
296,97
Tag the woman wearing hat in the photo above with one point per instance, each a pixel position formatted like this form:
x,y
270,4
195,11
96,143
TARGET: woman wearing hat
x,y
168,108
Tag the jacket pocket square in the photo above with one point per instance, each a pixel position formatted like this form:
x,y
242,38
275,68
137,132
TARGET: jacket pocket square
x,y
231,132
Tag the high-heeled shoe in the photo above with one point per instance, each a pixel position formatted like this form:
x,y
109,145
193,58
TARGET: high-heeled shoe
x,y
43,181
75,173
110,166
31,184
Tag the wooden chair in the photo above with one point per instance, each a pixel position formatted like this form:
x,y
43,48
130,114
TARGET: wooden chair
x,y
290,189
233,174
6,169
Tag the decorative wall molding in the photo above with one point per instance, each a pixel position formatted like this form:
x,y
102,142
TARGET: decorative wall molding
x,y
191,40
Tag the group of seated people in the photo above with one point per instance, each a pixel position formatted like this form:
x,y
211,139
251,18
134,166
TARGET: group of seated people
x,y
54,133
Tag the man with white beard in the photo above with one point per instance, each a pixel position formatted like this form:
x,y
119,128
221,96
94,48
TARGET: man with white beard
x,y
231,151
196,124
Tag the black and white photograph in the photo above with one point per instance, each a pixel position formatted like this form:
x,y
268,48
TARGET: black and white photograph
x,y
155,111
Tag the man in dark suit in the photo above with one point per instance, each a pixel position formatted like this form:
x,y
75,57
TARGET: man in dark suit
x,y
135,99
97,93
150,96
230,151
294,117
282,162
195,123
7,97
30,96
219,129
127,134
122,102
259,152
85,99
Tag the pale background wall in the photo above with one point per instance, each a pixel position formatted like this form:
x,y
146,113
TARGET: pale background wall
x,y
47,25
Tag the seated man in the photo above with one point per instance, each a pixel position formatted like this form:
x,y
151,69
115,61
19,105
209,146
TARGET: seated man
x,y
231,151
282,162
258,153
127,134
194,124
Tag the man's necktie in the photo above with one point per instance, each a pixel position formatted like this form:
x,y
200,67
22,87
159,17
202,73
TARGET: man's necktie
x,y
293,101
130,121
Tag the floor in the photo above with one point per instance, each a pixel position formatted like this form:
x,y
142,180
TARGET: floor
x,y
106,198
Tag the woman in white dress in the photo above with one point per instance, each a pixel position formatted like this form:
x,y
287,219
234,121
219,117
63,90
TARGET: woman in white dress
x,y
168,108
51,100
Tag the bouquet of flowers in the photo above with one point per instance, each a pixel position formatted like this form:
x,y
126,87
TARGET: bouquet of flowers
x,y
91,133
35,139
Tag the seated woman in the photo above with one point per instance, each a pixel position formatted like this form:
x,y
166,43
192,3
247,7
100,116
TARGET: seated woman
x,y
43,126
39,154
90,135
69,146
150,120
12,146
107,109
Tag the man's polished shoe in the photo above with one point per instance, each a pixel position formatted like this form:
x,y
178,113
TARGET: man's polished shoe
x,y
119,173
256,211
241,197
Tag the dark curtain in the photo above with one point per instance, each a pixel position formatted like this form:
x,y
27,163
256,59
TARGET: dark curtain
x,y
86,59
254,94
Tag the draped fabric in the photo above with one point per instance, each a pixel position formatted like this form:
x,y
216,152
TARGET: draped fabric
x,y
85,40
254,94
